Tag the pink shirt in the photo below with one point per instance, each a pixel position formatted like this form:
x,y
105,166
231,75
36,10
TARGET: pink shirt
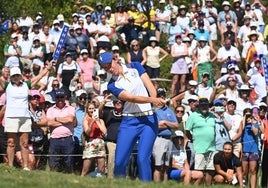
x,y
87,68
63,130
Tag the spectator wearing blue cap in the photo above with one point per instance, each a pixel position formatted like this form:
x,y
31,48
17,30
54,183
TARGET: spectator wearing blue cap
x,y
132,85
222,125
61,121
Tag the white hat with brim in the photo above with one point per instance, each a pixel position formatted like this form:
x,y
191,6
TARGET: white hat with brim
x,y
244,87
15,71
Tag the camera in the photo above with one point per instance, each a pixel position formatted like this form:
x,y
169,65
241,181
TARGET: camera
x,y
219,109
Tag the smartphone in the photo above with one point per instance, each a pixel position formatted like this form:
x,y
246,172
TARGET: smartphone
x,y
96,113
255,111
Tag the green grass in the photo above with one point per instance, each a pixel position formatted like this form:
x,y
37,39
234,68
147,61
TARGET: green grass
x,y
17,178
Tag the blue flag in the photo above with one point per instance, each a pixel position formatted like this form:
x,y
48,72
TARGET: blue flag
x,y
63,35
265,68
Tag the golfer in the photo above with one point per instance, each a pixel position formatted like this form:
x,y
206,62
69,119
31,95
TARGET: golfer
x,y
131,84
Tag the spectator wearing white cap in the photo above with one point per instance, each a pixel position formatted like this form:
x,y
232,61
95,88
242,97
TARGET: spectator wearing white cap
x,y
244,30
251,47
100,84
226,11
37,52
82,39
257,80
17,117
154,55
88,67
81,100
203,57
110,20
55,31
179,164
243,99
162,17
116,52
12,48
184,96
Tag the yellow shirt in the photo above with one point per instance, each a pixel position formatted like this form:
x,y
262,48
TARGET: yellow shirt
x,y
136,15
111,21
265,34
152,26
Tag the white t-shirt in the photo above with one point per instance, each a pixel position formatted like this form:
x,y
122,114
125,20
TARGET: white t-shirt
x,y
223,54
234,121
258,81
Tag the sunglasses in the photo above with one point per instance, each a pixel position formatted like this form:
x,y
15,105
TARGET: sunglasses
x,y
81,98
231,80
35,98
60,97
55,85
135,45
179,111
231,103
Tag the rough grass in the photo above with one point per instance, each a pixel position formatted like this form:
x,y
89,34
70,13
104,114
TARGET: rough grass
x,y
17,178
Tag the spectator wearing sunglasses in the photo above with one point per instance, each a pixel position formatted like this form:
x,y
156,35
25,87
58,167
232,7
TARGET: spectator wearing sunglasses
x,y
61,121
81,100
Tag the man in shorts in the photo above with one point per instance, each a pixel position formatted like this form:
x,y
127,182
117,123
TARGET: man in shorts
x,y
200,127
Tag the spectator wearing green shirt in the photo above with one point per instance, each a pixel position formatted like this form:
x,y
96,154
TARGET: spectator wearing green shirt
x,y
200,128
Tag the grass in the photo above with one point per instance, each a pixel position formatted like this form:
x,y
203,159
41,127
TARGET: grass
x,y
16,178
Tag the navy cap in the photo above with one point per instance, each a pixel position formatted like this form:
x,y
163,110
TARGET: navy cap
x,y
104,58
203,101
60,92
218,102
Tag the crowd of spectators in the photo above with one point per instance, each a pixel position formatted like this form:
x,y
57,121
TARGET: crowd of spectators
x,y
211,129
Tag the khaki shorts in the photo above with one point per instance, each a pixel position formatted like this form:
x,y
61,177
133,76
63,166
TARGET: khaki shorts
x,y
204,161
162,151
18,125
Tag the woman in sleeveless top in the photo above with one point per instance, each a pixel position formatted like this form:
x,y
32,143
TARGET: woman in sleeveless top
x,y
135,53
179,67
120,15
153,58
94,146
230,91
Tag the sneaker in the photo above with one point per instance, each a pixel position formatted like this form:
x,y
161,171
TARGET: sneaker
x,y
26,169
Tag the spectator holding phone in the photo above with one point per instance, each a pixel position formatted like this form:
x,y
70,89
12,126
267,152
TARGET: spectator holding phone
x,y
250,152
94,133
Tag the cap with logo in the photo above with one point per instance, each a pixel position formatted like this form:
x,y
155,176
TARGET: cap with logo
x,y
104,58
